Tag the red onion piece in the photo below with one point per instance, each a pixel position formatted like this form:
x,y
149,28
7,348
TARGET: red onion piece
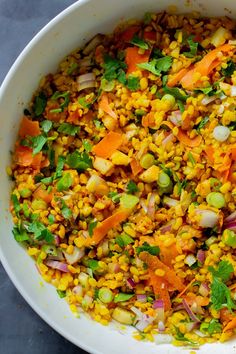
x,y
209,218
78,290
230,226
189,311
167,227
86,81
151,206
230,218
204,289
158,304
142,298
167,139
77,254
161,326
201,256
144,322
176,118
143,205
131,283
93,43
57,240
58,265
206,100
190,326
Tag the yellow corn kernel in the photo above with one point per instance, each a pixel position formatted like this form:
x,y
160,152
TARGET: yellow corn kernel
x,y
32,251
143,83
87,210
70,249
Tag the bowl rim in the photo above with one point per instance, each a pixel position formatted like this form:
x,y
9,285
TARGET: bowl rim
x,y
40,312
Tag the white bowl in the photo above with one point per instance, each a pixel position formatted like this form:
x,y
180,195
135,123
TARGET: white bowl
x,y
67,31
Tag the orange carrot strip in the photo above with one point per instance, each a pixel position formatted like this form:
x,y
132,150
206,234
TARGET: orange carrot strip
x,y
135,167
104,105
230,325
43,194
209,150
129,32
108,145
148,120
133,57
233,154
24,157
28,127
184,139
187,79
186,288
175,78
160,289
153,263
101,230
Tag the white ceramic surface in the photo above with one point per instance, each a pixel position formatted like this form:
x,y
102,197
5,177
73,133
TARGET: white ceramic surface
x,y
70,29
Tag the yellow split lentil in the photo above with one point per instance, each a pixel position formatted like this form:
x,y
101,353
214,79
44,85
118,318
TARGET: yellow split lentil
x,y
124,176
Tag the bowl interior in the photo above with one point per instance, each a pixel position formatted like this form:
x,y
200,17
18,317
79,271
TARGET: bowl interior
x,y
66,32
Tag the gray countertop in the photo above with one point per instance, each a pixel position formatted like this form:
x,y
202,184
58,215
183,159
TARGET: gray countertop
x,y
22,331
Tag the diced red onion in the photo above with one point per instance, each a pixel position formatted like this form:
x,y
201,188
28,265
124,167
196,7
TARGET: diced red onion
x,y
144,322
93,43
231,217
189,311
208,99
158,304
77,254
167,227
143,205
87,300
142,298
201,256
131,283
209,218
178,307
167,139
190,326
85,62
170,202
58,257
161,326
230,226
190,260
137,312
221,109
113,268
204,289
176,118
78,290
57,240
196,308
86,81
58,265
151,206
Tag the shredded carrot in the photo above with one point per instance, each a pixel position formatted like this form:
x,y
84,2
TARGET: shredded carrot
x,y
233,154
199,300
230,325
204,66
43,194
174,79
186,140
29,128
148,120
160,289
167,254
108,145
135,167
129,32
101,230
24,157
209,150
104,105
153,263
186,288
133,57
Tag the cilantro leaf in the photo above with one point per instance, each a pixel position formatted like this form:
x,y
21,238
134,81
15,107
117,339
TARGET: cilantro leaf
x,y
98,123
202,124
214,327
181,337
38,143
46,125
223,272
177,93
139,42
231,67
82,101
40,231
20,233
65,182
40,103
61,293
192,48
72,68
93,264
132,187
115,197
69,129
91,227
153,250
122,297
66,212
16,204
220,295
157,66
65,96
79,161
147,18
111,67
133,83
121,76
87,146
124,240
60,165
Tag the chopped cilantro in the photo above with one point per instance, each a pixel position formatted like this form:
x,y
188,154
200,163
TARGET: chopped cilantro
x,y
153,250
40,103
147,18
91,227
177,93
124,240
229,70
80,161
65,182
214,326
61,293
66,212
46,125
98,124
65,95
40,231
115,197
121,76
93,264
72,68
157,66
132,187
51,157
223,272
87,146
38,143
20,233
60,165
191,159
202,124
181,106
192,48
139,42
16,204
181,337
133,83
83,102
69,129
112,67
51,219
122,297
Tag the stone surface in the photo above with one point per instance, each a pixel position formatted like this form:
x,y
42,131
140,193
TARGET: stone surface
x,y
22,331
